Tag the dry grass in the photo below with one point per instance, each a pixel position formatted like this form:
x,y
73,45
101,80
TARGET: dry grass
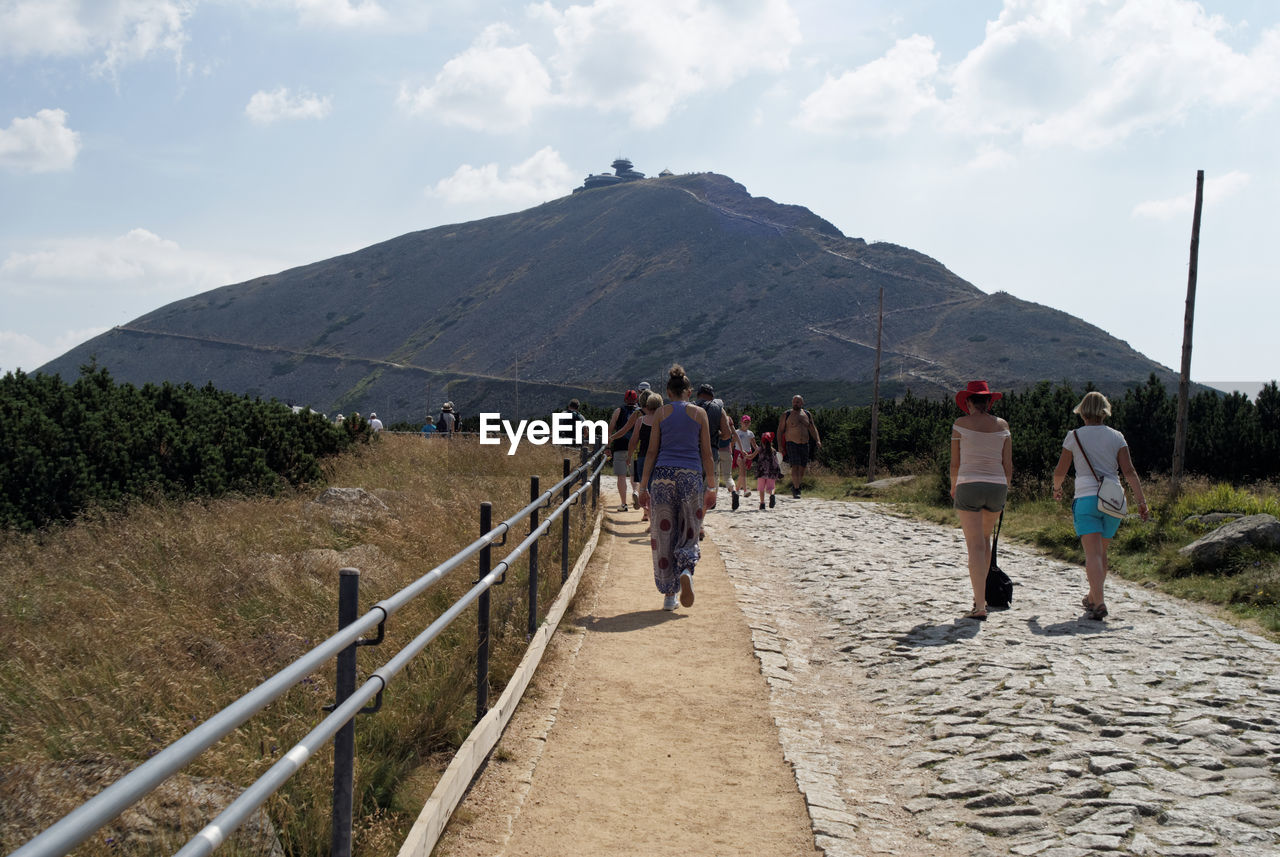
x,y
123,632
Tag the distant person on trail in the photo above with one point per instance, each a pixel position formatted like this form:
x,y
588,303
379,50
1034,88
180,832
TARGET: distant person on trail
x,y
981,472
375,424
795,429
721,438
1099,453
677,486
768,469
744,445
428,429
620,428
448,420
639,446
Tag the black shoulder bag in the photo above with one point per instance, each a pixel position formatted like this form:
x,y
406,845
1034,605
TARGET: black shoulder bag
x,y
999,586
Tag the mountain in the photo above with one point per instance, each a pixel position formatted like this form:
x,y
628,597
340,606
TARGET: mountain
x,y
591,293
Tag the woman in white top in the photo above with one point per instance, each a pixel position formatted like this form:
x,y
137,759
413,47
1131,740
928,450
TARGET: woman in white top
x,y
981,469
1108,455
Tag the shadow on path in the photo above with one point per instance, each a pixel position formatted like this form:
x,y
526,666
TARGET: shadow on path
x,y
624,622
926,634
1073,628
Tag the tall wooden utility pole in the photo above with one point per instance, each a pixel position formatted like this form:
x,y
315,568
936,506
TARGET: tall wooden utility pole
x,y
1184,381
875,395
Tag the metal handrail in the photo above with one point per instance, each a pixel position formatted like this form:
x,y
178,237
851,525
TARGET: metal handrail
x,y
81,823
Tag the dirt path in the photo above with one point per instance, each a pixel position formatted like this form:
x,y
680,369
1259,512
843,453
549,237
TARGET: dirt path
x,y
645,732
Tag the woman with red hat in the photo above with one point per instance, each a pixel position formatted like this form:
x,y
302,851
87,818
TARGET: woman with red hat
x,y
981,471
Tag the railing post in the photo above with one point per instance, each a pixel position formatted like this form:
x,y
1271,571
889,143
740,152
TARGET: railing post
x,y
482,641
534,493
564,528
344,742
595,490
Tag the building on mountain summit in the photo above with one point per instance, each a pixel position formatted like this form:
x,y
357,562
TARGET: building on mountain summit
x,y
622,172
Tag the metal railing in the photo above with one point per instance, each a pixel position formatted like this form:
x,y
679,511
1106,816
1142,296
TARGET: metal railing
x,y
99,811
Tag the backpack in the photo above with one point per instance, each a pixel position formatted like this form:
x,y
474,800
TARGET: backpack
x,y
999,586
715,411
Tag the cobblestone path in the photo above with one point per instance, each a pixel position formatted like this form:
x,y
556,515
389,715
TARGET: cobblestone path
x,y
1038,732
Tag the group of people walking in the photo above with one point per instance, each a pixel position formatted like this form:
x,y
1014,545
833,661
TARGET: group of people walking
x,y
982,472
674,453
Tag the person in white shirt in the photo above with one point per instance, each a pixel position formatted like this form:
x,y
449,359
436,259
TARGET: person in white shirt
x,y
1107,456
981,471
375,424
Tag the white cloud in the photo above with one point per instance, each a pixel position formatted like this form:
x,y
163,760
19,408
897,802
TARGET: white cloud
x,y
19,351
39,144
542,177
1080,73
491,86
645,59
138,262
341,13
879,98
119,31
1216,189
267,107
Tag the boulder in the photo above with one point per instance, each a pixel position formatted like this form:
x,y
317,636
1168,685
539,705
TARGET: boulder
x,y
1209,552
1212,519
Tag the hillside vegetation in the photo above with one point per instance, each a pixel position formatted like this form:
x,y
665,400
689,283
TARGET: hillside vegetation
x,y
124,630
68,447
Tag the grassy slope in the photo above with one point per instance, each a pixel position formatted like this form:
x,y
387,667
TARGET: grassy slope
x,y
122,633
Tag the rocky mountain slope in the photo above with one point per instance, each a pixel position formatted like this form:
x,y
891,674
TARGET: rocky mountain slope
x,y
591,293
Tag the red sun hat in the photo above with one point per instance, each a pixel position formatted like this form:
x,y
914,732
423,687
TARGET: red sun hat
x,y
746,418
976,388
630,397
767,437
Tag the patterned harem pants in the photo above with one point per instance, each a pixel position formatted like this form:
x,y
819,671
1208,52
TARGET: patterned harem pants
x,y
675,523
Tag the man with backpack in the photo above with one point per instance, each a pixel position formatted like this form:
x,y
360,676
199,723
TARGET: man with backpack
x,y
797,431
721,437
619,440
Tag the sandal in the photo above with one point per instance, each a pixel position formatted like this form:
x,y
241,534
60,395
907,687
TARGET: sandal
x,y
1097,612
975,613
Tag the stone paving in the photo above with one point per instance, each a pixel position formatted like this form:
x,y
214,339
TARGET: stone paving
x,y
1037,732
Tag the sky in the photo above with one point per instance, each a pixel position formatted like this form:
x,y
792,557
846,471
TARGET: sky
x,y
151,150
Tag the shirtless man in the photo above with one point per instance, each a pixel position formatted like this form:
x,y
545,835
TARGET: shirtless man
x,y
795,428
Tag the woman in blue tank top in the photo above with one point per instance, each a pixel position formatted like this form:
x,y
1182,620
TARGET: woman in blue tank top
x,y
677,487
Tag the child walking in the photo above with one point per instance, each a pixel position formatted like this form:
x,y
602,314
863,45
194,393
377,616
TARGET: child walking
x,y
768,471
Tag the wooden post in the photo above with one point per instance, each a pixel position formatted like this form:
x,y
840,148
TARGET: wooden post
x,y
1184,380
875,395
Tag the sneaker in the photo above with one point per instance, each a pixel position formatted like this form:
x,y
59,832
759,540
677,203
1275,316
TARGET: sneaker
x,y
686,589
635,500
735,499
761,505
772,501
669,602
795,493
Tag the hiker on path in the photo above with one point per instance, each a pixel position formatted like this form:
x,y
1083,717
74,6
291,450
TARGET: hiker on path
x,y
795,429
1098,453
375,424
721,437
768,470
448,421
981,472
744,446
677,486
638,449
621,425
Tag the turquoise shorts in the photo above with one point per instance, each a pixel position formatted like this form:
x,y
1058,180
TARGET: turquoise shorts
x,y
1084,511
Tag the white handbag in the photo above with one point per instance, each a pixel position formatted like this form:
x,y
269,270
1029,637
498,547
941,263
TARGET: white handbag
x,y
1111,499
